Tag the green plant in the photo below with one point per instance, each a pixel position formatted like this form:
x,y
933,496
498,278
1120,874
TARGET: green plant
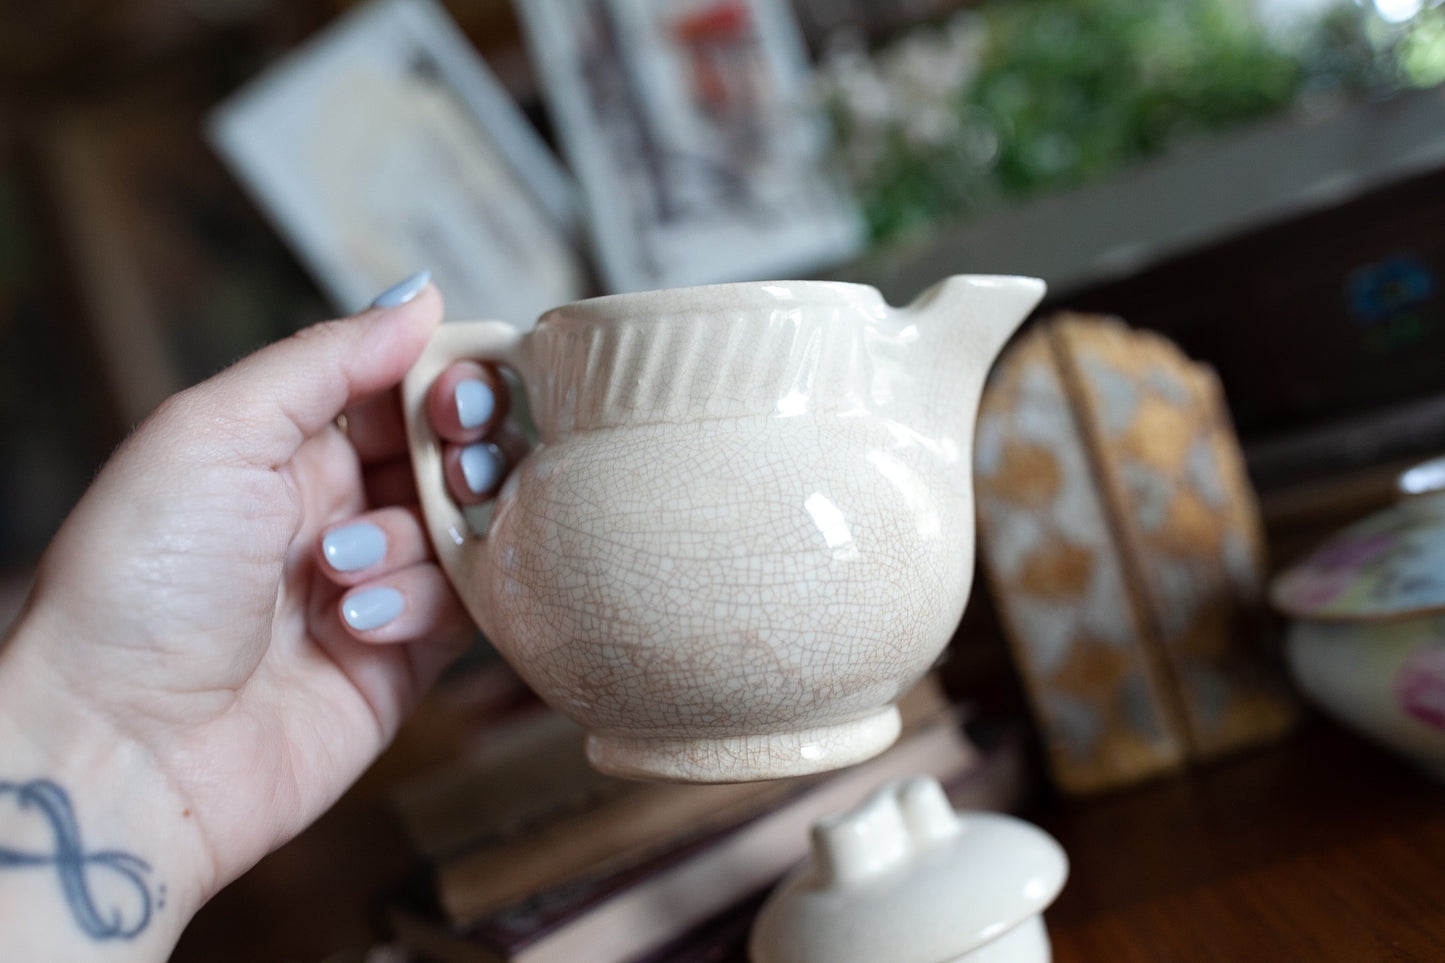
x,y
1077,88
1024,96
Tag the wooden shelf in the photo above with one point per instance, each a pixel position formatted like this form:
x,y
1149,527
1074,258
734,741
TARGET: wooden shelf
x,y
1232,185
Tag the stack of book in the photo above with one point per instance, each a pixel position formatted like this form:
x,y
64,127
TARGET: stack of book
x,y
533,857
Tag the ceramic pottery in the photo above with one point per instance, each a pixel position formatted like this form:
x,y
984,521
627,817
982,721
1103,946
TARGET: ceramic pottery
x,y
1367,640
905,878
748,527
1125,553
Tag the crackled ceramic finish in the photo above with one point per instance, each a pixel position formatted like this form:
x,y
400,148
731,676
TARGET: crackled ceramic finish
x,y
749,526
905,878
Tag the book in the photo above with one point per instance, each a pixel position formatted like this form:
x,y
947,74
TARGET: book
x,y
635,911
722,939
998,782
624,831
526,769
528,815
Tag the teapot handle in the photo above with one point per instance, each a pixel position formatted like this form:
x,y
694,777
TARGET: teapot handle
x,y
490,341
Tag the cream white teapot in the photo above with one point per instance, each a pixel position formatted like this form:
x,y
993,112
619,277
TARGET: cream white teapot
x,y
748,528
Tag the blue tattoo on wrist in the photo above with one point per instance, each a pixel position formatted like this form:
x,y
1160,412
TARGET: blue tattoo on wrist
x,y
108,919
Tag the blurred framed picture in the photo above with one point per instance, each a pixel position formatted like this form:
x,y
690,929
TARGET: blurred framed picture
x,y
689,126
384,145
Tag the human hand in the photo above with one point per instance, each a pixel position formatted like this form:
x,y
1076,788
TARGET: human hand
x,y
230,627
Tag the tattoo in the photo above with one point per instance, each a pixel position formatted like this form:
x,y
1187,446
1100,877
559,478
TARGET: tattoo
x,y
127,904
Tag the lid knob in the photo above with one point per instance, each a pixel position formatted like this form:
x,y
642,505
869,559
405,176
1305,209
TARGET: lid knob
x,y
869,840
927,812
905,878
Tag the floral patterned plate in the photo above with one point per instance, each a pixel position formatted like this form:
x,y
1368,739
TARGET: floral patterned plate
x,y
1390,565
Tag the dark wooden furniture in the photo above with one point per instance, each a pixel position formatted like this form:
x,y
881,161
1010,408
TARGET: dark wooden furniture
x,y
1321,848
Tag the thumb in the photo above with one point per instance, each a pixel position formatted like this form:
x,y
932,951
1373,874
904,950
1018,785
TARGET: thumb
x,y
270,402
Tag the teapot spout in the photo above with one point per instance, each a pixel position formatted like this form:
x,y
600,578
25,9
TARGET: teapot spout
x,y
970,317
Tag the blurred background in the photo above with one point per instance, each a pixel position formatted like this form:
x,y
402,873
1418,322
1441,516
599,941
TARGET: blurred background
x,y
132,262
1261,180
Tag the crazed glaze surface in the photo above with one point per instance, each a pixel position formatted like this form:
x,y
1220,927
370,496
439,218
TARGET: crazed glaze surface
x,y
749,527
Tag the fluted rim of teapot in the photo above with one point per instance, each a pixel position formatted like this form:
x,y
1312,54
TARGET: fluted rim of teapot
x,y
729,295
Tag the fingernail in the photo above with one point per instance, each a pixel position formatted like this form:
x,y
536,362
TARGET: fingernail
x,y
372,608
403,291
475,403
354,547
482,466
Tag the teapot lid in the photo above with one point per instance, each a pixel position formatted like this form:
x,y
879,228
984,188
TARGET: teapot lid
x,y
907,879
1389,565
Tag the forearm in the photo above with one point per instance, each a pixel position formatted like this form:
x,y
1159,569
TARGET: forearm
x,y
96,859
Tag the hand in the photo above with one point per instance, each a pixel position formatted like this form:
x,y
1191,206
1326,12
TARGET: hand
x,y
232,623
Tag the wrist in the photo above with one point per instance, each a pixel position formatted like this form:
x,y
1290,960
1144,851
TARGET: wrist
x,y
97,851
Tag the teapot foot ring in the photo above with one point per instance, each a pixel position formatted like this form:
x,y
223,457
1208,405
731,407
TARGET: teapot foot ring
x,y
745,758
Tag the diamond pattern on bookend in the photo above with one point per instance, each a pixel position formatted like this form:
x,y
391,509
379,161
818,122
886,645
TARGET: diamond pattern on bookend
x,y
1123,545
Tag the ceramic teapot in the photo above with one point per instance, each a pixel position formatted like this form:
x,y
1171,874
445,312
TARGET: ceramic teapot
x,y
748,527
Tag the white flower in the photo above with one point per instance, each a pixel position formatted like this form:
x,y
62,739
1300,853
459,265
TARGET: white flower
x,y
931,125
937,65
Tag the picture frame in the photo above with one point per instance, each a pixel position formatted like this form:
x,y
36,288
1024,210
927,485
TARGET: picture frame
x,y
384,145
689,126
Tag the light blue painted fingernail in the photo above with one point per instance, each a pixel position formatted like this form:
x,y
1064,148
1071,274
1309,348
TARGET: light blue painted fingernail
x,y
354,547
475,403
403,291
372,608
482,466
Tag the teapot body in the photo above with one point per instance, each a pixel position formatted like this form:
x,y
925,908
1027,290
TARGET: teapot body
x,y
747,531
767,587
